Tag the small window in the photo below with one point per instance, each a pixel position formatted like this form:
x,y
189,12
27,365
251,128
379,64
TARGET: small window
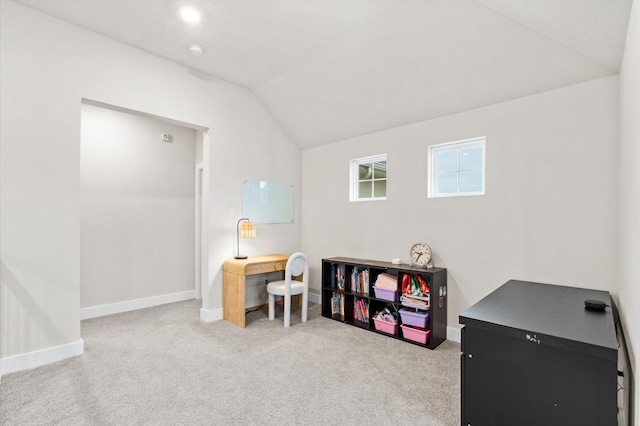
x,y
369,178
457,168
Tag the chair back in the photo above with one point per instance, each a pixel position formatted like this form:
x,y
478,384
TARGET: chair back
x,y
297,265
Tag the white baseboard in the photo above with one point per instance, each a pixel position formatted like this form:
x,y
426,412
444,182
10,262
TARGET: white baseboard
x,y
453,334
315,298
132,305
212,315
37,358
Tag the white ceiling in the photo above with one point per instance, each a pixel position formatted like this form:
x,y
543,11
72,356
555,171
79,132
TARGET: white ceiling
x,y
334,69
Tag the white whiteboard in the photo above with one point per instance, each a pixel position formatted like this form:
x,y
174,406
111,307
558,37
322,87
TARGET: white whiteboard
x,y
267,202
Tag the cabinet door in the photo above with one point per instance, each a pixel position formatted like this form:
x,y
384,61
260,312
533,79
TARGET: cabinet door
x,y
508,379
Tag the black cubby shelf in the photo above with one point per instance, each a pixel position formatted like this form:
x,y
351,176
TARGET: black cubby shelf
x,y
348,296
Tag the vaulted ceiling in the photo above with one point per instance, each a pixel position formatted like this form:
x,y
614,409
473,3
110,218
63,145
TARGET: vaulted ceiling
x,y
328,70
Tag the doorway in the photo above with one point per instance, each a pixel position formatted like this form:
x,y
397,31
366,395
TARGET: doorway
x,y
140,238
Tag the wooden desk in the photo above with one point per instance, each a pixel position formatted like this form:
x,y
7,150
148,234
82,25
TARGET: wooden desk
x,y
234,273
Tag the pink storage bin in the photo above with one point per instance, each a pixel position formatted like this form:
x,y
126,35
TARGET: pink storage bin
x,y
416,318
385,294
416,334
387,281
385,327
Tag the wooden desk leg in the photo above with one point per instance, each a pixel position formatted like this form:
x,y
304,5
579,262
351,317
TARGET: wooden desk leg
x,y
233,288
296,300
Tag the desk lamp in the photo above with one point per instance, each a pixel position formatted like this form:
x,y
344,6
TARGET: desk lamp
x,y
247,230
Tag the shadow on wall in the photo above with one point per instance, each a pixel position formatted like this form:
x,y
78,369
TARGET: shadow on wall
x,y
21,317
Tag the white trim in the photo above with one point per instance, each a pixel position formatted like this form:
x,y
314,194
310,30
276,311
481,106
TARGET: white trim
x,y
432,166
205,259
354,177
132,305
34,359
315,298
199,174
454,334
87,101
210,315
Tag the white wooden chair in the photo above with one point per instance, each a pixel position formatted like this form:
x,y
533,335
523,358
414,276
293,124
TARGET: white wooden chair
x,y
296,265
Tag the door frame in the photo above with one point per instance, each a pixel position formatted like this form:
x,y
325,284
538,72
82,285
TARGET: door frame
x,y
199,175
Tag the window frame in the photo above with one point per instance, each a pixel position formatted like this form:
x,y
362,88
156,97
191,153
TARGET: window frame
x,y
354,178
433,172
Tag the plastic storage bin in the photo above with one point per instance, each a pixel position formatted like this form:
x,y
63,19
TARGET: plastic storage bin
x,y
382,293
417,318
385,327
416,334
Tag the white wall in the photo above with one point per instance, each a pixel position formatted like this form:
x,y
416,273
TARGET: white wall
x,y
137,207
47,67
549,213
629,299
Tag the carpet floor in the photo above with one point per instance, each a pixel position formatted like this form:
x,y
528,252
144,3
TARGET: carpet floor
x,y
163,365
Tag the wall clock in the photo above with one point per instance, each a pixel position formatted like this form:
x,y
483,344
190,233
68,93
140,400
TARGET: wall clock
x,y
420,255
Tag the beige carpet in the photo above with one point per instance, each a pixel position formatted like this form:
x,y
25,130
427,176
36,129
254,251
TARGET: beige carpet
x,y
164,366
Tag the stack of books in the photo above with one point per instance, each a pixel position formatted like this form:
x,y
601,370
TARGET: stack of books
x,y
360,281
361,310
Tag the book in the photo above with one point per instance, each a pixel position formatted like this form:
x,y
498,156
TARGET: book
x,y
339,275
333,275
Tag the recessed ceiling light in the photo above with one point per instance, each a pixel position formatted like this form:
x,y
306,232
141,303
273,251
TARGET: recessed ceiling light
x,y
190,14
196,50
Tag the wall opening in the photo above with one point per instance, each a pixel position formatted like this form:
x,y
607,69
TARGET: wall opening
x,y
138,239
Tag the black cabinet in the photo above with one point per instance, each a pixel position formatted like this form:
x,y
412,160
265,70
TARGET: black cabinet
x,y
533,355
348,296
